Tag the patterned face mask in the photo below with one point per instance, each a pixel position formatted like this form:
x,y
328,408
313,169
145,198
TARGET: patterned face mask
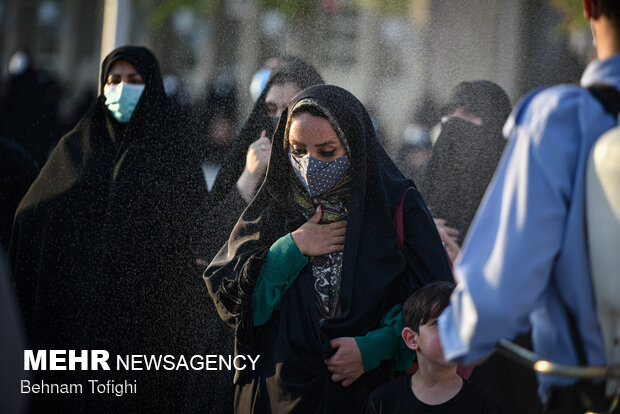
x,y
121,99
318,176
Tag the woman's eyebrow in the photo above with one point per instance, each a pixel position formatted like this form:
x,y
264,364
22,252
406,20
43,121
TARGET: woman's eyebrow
x,y
324,144
131,75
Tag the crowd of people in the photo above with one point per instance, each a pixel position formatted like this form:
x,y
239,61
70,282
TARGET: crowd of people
x,y
155,229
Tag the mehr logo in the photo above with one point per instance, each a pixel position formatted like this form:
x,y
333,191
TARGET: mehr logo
x,y
63,360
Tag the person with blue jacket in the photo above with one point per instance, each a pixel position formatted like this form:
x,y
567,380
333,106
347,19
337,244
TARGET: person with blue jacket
x,y
525,259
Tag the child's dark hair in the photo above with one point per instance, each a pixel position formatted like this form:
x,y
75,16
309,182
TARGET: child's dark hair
x,y
426,303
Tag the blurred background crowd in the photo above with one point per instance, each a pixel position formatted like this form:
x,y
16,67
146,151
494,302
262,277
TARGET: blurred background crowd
x,y
401,57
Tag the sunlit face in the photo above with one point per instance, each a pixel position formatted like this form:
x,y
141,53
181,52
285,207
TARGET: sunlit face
x,y
428,344
314,136
278,96
123,71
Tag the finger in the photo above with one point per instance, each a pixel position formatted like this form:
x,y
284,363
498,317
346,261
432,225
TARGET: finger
x,y
347,382
335,343
339,232
338,240
440,222
452,244
442,232
263,134
317,215
335,248
338,224
451,231
337,377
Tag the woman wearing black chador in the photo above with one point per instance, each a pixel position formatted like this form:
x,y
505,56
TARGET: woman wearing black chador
x,y
312,276
101,249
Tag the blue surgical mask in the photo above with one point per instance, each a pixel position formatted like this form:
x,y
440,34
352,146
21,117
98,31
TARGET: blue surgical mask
x,y
319,176
122,98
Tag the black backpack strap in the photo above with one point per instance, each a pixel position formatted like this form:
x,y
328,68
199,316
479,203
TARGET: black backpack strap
x,y
608,96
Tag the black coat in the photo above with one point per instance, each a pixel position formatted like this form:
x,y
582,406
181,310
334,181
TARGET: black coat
x,y
376,274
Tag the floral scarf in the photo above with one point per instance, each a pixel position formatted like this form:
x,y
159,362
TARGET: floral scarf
x,y
327,268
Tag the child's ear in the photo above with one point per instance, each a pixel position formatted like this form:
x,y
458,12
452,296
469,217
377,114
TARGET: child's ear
x,y
411,338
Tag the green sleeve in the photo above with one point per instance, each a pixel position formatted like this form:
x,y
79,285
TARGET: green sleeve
x,y
282,266
386,344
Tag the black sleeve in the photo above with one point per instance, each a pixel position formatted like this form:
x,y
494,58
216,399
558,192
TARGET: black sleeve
x,y
233,273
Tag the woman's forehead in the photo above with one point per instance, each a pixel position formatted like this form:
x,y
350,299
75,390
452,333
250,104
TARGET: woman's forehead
x,y
305,126
122,66
320,110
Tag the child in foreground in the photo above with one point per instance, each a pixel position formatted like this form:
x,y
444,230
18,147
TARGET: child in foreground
x,y
435,387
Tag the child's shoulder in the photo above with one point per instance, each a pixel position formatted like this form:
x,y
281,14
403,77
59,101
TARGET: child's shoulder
x,y
389,397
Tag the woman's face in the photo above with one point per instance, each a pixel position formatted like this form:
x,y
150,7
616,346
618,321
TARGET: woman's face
x,y
278,96
314,136
123,71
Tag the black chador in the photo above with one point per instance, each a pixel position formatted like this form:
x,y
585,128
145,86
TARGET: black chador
x,y
375,273
465,155
102,247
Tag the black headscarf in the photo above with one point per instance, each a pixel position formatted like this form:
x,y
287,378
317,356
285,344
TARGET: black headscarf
x,y
29,109
219,103
226,207
465,155
292,70
101,247
483,98
375,276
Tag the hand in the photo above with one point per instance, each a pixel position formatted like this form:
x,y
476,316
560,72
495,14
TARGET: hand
x,y
449,237
256,161
346,364
448,231
314,239
258,155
